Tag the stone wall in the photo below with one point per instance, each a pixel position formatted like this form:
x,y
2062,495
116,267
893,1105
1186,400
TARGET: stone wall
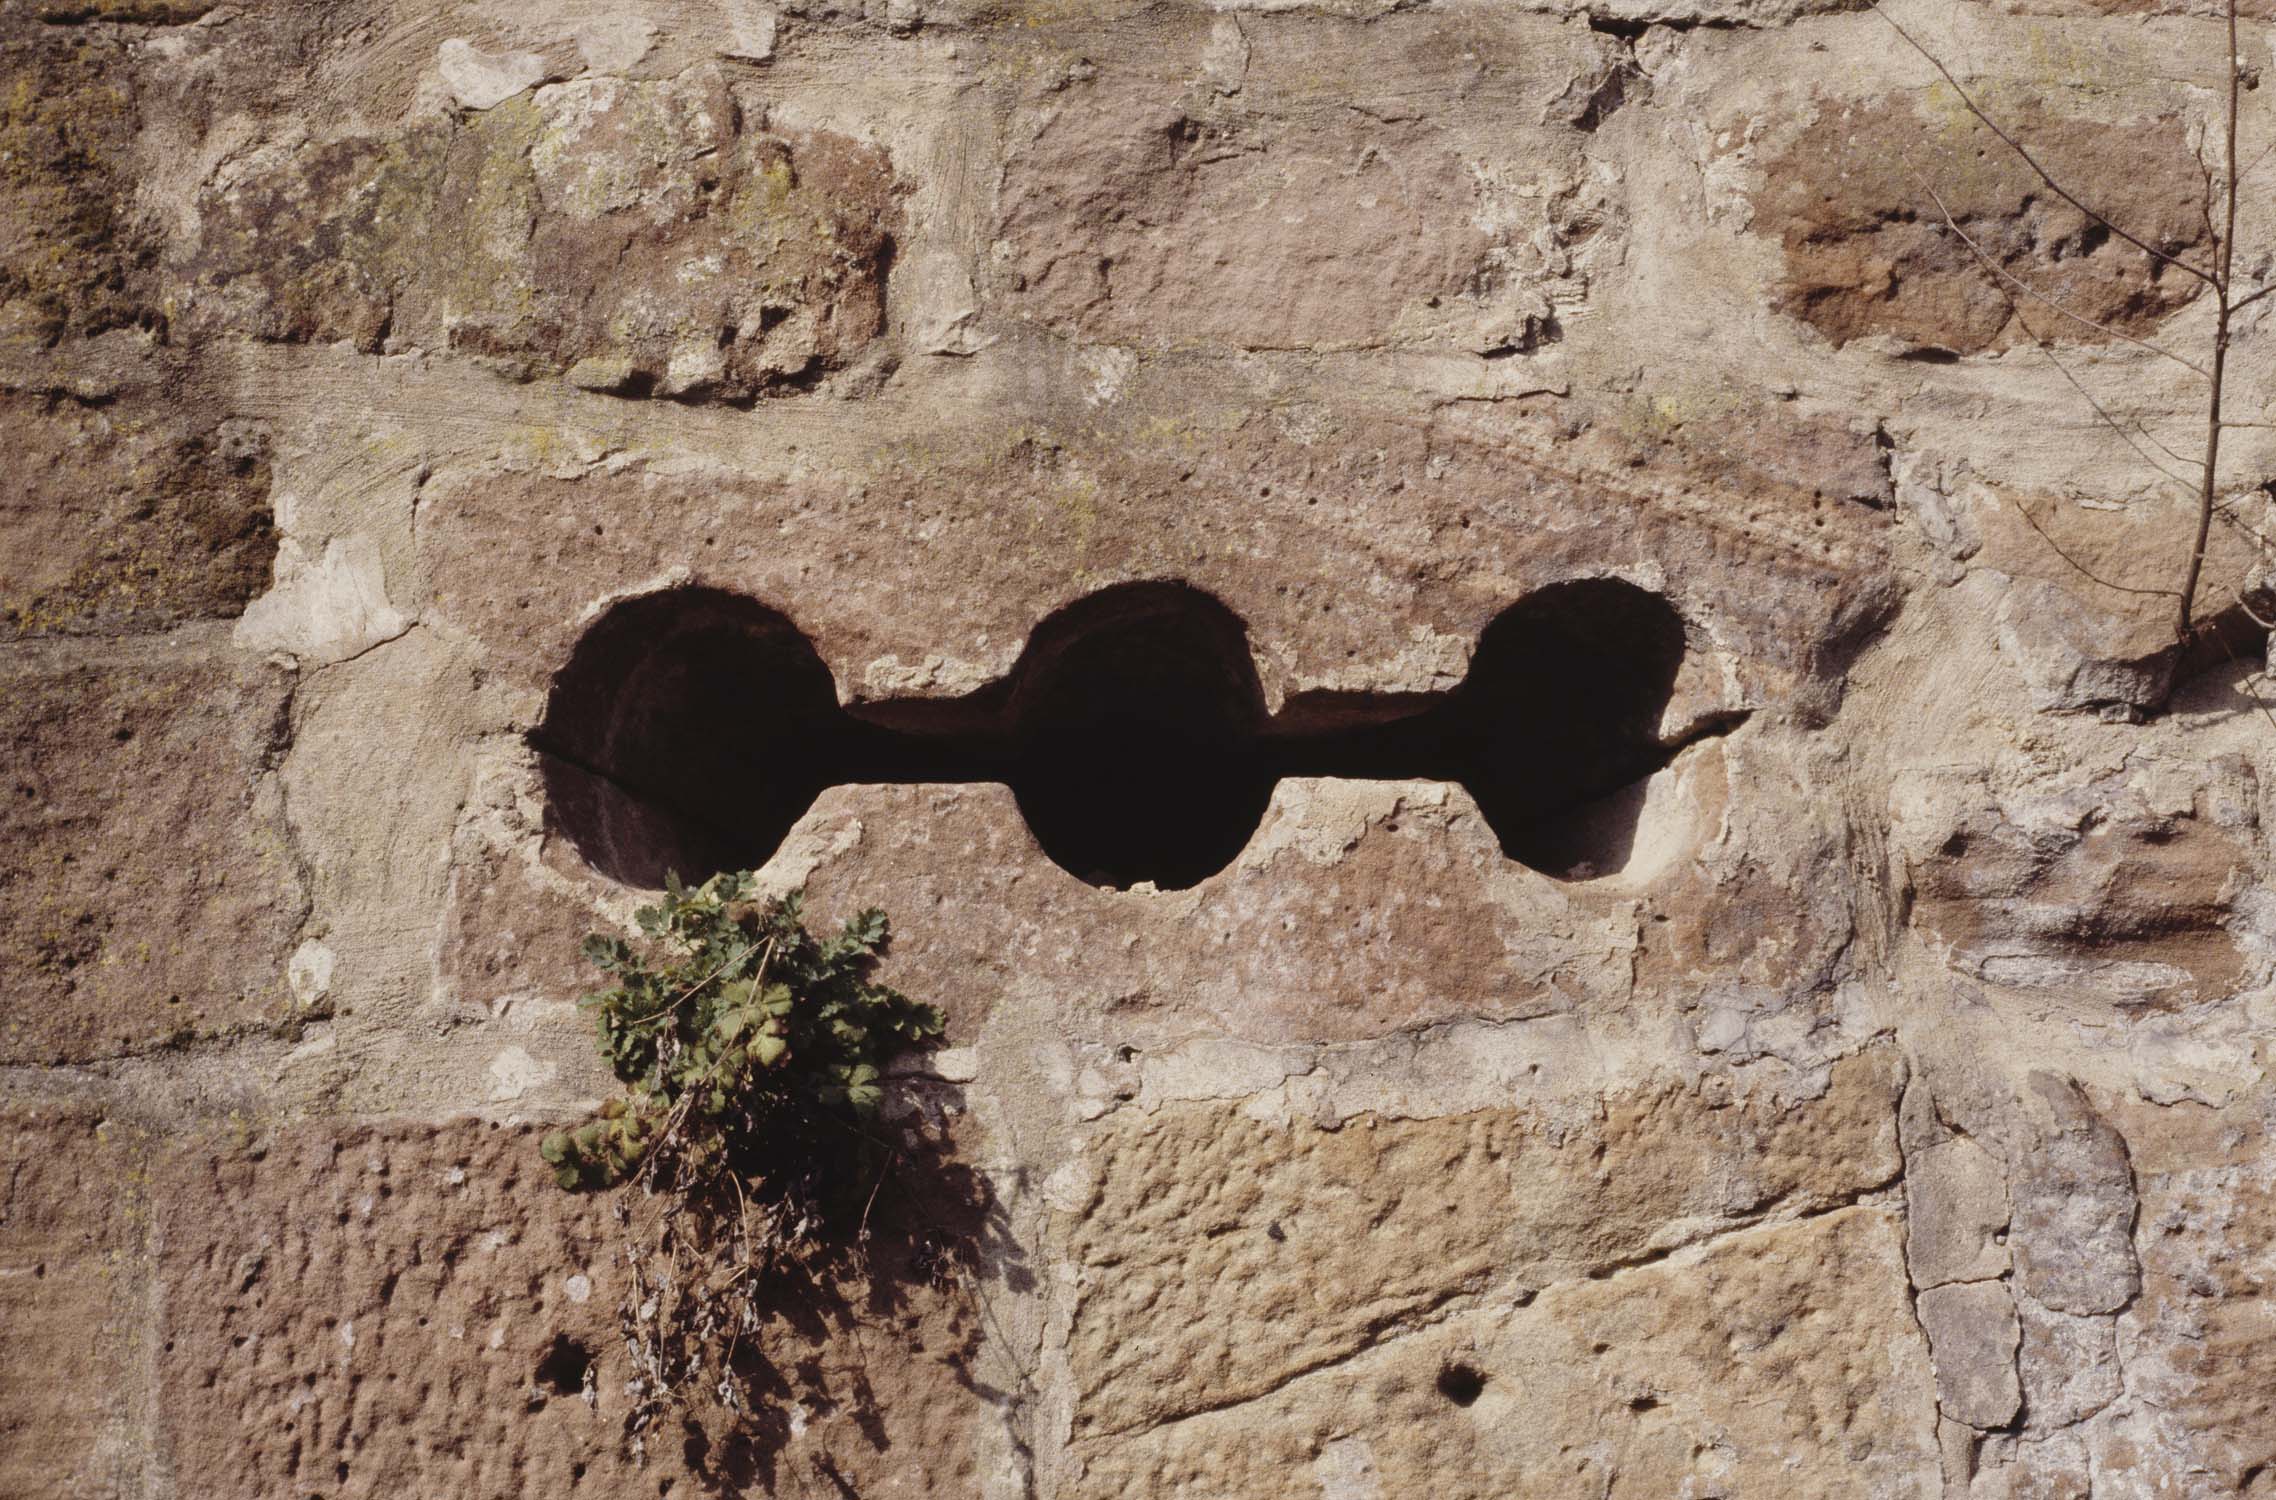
x,y
1511,707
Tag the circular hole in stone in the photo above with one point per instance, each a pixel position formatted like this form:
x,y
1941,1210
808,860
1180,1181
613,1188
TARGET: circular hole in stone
x,y
687,733
1136,713
1461,1384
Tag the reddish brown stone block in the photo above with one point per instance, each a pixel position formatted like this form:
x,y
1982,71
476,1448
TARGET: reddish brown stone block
x,y
151,889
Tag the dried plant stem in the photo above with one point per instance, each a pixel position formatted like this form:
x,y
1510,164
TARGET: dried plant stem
x,y
2224,263
2221,194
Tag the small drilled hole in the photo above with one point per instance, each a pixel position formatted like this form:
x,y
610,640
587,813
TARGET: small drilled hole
x,y
565,1367
1461,1384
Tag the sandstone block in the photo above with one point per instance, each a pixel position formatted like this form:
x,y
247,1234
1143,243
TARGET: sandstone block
x,y
75,257
1955,1214
1867,251
2107,889
2069,1364
2197,1342
590,223
1972,1336
1192,196
2075,1208
375,1310
1221,1258
152,890
73,1297
139,511
1642,1383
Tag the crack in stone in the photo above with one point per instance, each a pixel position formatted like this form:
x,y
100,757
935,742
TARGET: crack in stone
x,y
1397,1329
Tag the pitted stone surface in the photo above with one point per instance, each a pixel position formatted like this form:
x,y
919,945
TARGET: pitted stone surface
x,y
153,892
74,1289
1220,1258
386,1307
1641,1384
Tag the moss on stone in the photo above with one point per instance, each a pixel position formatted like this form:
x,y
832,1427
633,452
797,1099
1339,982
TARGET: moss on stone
x,y
70,256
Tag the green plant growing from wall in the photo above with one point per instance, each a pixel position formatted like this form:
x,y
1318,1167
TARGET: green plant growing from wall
x,y
752,1054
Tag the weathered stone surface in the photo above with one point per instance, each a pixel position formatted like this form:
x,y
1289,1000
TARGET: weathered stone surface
x,y
132,12
1955,1214
2195,1345
2075,657
1123,214
1641,1384
1972,1337
365,1309
2075,1207
73,1288
1382,1161
1472,946
2118,887
2054,1466
1152,204
1868,250
134,511
1449,520
2069,1365
74,258
478,80
660,226
153,892
372,768
2086,614
1641,13
1220,1257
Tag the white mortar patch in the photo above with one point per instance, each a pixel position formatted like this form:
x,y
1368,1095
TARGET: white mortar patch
x,y
327,610
478,79
1346,1471
309,972
513,1073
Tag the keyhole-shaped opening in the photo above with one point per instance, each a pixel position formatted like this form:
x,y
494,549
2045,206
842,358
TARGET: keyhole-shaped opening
x,y
691,729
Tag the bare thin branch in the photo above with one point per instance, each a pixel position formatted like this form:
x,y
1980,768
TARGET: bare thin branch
x,y
2033,162
2260,539
2244,302
2255,164
2207,198
2088,397
2036,295
2224,271
2143,428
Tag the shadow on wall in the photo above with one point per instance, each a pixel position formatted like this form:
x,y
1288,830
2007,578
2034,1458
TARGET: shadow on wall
x,y
691,729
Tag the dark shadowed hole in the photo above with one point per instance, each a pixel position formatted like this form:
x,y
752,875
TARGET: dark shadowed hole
x,y
1135,755
1557,724
1461,1384
686,735
564,1367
